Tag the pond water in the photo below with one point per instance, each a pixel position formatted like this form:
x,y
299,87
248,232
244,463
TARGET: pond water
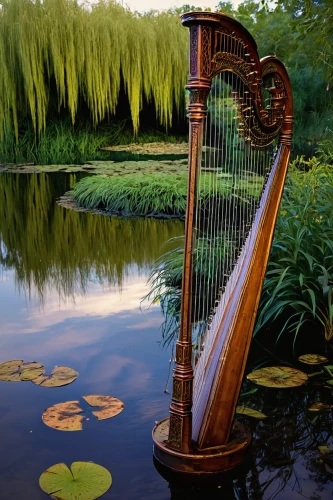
x,y
70,292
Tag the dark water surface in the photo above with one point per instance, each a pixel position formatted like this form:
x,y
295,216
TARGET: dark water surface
x,y
70,291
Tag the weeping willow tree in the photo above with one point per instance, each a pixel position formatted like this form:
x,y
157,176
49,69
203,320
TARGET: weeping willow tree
x,y
87,51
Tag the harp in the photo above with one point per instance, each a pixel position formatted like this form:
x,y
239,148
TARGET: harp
x,y
240,133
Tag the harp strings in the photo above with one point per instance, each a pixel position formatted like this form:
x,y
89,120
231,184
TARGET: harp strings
x,y
233,175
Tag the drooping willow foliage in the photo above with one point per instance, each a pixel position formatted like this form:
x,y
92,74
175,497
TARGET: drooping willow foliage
x,y
87,51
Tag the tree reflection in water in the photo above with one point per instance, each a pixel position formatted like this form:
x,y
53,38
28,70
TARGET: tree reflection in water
x,y
50,247
285,462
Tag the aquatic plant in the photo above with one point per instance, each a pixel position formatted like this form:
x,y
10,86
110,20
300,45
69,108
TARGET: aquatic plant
x,y
84,53
157,193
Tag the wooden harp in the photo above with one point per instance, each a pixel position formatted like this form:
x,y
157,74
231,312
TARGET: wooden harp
x,y
240,133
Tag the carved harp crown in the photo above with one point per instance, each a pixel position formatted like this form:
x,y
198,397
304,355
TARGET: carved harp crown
x,y
240,133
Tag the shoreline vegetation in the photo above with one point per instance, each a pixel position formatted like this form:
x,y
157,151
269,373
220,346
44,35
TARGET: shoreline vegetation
x,y
77,78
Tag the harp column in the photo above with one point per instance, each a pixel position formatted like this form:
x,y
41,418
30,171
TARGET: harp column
x,y
199,84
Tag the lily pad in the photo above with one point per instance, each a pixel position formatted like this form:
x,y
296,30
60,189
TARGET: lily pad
x,y
250,412
60,375
69,416
83,481
110,406
278,377
320,407
64,416
18,371
312,359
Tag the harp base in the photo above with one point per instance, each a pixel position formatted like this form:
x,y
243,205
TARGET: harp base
x,y
210,461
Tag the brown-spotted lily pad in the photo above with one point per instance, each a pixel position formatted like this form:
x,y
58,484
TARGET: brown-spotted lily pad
x,y
18,371
320,407
69,416
278,377
250,412
110,406
312,359
64,416
83,481
60,375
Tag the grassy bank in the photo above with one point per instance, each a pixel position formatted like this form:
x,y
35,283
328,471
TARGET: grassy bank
x,y
62,144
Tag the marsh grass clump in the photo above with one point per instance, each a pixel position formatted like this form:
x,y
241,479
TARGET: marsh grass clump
x,y
134,193
151,194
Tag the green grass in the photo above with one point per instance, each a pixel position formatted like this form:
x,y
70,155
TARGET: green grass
x,y
156,193
63,144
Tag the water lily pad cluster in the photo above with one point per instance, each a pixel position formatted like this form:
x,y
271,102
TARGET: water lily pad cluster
x,y
69,416
104,167
155,148
19,371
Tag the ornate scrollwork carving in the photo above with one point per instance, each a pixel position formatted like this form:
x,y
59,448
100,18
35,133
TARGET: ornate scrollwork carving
x,y
227,61
206,49
183,354
175,431
194,50
182,390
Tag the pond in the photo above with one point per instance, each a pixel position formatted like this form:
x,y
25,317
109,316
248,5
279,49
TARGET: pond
x,y
71,286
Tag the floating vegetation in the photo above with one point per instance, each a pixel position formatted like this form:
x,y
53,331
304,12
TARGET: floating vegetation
x,y
320,407
110,406
83,481
103,167
250,412
18,371
151,148
312,359
68,416
60,375
278,377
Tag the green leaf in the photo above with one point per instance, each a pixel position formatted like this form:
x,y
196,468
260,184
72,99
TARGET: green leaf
x,y
312,359
278,377
17,370
60,375
250,412
320,407
84,481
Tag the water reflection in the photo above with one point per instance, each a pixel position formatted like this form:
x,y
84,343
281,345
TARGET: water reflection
x,y
101,265
51,248
285,462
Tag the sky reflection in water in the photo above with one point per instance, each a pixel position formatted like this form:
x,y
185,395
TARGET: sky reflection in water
x,y
94,325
